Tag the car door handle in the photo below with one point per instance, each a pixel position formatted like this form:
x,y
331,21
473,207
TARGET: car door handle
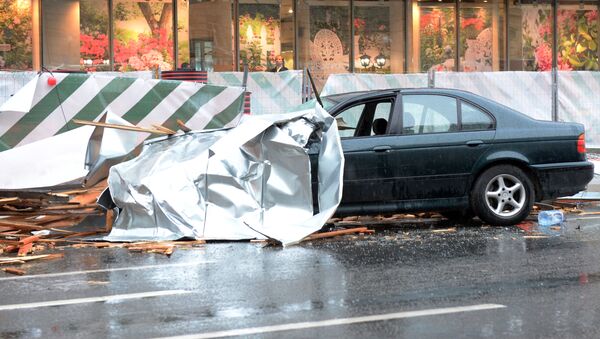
x,y
382,148
474,143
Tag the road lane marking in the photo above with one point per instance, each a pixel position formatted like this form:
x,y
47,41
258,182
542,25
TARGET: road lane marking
x,y
337,322
92,299
52,275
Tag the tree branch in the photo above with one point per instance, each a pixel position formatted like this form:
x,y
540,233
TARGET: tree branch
x,y
148,15
166,16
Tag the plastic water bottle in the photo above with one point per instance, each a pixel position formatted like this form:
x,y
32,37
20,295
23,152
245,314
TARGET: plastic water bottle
x,y
550,218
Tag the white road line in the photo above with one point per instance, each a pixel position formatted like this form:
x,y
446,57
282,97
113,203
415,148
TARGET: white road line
x,y
52,275
92,299
337,322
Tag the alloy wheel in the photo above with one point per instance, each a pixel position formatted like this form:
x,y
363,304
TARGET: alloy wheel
x,y
505,195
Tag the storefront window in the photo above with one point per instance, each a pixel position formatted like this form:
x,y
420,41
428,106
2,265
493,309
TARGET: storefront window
x,y
433,36
79,40
93,27
378,41
206,37
143,35
324,39
481,36
15,35
61,35
530,36
577,24
261,34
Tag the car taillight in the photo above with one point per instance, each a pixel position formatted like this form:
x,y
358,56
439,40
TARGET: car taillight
x,y
581,143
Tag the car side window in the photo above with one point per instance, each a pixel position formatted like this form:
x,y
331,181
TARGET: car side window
x,y
365,119
429,114
381,117
348,119
474,119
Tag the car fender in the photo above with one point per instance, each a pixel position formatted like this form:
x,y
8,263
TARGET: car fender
x,y
496,157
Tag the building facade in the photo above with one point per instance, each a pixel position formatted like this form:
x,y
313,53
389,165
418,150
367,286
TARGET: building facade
x,y
327,36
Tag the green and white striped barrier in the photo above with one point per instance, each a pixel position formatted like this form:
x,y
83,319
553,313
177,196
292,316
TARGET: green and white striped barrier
x,y
43,108
272,93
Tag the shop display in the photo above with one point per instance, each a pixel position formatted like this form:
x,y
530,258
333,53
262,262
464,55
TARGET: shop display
x,y
329,35
143,35
476,40
437,39
260,35
372,39
577,39
15,34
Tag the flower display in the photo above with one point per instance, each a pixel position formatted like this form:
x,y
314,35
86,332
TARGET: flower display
x,y
577,39
147,52
259,26
15,31
475,40
437,38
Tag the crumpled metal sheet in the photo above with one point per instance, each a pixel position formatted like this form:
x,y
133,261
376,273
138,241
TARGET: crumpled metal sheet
x,y
80,157
251,181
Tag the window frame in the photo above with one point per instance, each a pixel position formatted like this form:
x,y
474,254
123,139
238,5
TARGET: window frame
x,y
481,109
366,101
398,126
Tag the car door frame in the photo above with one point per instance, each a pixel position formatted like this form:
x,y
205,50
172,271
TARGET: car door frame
x,y
370,147
455,139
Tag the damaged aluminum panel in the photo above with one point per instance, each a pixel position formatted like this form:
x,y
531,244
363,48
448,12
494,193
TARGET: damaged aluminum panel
x,y
79,157
251,181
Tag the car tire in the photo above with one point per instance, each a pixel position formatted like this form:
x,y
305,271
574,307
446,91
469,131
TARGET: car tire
x,y
503,195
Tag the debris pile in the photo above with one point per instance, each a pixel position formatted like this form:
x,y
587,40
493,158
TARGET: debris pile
x,y
32,221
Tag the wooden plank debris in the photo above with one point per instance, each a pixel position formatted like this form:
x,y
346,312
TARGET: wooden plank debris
x,y
13,270
122,127
183,127
332,234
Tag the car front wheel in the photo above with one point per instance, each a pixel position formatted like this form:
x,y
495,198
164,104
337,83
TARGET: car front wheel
x,y
502,195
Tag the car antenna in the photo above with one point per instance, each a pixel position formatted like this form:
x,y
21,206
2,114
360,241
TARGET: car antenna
x,y
314,88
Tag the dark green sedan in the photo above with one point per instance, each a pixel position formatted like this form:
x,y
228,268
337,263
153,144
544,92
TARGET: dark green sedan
x,y
454,152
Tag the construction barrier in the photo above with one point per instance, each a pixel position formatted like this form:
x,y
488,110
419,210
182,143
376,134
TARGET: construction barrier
x,y
579,101
348,82
526,92
12,82
271,92
47,104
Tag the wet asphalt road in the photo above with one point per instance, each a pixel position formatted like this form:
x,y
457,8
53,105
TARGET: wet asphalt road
x,y
541,288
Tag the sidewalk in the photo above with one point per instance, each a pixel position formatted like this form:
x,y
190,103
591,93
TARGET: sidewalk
x,y
594,185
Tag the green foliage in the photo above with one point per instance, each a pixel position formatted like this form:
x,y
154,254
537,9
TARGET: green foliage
x,y
437,36
124,11
578,40
93,17
251,55
15,30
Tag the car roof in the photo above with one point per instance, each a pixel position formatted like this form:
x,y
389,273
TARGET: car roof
x,y
337,98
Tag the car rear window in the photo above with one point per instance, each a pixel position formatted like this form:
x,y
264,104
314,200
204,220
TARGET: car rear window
x,y
474,119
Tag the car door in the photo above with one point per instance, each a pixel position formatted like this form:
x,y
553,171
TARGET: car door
x,y
363,130
440,139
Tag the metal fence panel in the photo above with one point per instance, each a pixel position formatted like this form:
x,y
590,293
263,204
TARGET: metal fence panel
x,y
271,92
526,92
579,101
344,83
12,82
